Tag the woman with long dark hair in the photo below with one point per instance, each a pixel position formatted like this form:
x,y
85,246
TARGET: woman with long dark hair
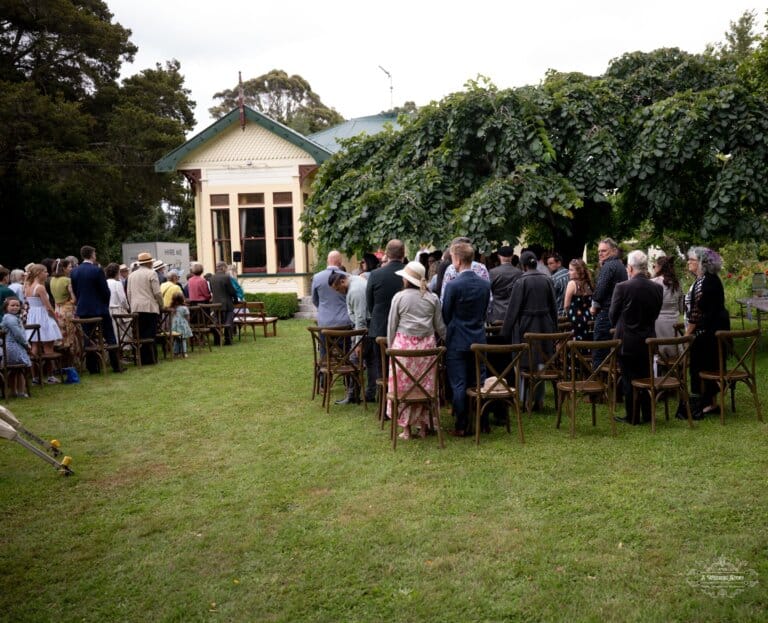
x,y
673,302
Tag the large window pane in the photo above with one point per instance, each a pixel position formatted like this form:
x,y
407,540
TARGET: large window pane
x,y
284,239
254,256
222,243
253,240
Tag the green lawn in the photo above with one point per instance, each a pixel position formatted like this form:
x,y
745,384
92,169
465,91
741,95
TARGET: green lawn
x,y
213,489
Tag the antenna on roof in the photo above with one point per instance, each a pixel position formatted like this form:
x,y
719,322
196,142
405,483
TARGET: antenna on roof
x,y
391,96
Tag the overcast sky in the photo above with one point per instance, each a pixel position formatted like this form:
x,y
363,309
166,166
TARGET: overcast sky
x,y
430,48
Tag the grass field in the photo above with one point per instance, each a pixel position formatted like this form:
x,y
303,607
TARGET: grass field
x,y
214,489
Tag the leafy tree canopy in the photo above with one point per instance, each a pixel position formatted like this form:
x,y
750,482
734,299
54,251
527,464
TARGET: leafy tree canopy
x,y
77,148
287,99
665,137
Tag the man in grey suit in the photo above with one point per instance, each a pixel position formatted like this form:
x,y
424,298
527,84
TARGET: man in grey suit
x,y
635,305
382,286
222,291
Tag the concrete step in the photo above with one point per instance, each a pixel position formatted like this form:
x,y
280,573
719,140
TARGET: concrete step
x,y
306,309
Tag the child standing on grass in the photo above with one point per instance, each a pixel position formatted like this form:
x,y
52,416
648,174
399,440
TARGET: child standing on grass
x,y
16,345
180,325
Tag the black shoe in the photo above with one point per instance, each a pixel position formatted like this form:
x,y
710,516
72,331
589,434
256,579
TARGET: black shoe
x,y
623,420
348,400
370,398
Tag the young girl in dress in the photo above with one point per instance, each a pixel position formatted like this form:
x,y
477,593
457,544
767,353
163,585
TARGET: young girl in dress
x,y
16,345
578,299
41,313
180,325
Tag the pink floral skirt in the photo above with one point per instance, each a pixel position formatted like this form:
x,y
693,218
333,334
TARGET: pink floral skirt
x,y
415,415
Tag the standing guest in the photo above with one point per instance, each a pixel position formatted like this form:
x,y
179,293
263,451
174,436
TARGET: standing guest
x,y
89,283
16,284
559,279
5,290
223,292
464,309
578,299
451,273
170,287
145,299
673,304
635,305
331,306
612,271
414,319
118,301
368,264
352,287
16,345
383,284
64,296
41,313
124,272
706,314
232,271
159,267
180,327
532,309
198,290
503,277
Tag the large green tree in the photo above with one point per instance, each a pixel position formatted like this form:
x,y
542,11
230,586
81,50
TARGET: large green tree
x,y
77,147
287,99
668,138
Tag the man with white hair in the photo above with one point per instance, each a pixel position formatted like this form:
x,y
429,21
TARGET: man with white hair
x,y
635,305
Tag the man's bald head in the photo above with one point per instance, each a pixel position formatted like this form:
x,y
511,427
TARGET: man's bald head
x,y
395,250
334,259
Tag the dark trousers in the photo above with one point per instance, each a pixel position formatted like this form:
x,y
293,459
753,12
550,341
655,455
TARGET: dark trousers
x,y
372,358
602,332
148,329
635,367
227,320
460,369
92,360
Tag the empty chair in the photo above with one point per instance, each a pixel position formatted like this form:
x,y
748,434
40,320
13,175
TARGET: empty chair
x,y
742,347
596,384
501,363
546,356
341,361
671,376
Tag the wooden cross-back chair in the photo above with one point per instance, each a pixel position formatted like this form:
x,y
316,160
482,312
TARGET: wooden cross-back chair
x,y
91,334
128,338
41,358
551,350
165,334
501,361
381,382
740,368
672,375
596,384
422,388
342,361
211,318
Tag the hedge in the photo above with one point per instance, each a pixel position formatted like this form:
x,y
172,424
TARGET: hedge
x,y
280,304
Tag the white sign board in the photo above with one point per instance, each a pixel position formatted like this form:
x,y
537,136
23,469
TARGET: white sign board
x,y
174,254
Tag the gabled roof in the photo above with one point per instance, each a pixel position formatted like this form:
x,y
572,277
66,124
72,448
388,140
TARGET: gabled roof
x,y
170,161
370,125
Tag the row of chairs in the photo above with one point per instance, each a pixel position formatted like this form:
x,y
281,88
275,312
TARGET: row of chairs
x,y
565,363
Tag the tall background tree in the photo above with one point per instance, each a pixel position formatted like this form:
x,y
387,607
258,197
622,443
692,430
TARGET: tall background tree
x,y
662,140
287,99
76,146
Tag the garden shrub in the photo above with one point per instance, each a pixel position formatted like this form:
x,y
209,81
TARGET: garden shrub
x,y
280,304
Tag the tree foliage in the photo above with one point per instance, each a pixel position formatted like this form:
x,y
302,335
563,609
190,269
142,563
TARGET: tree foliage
x,y
666,140
287,99
77,148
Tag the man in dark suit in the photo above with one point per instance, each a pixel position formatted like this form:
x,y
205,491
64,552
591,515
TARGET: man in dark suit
x,y
503,277
89,283
635,305
382,286
464,308
222,291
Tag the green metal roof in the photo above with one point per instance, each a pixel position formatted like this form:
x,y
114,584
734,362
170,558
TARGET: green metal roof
x,y
370,125
169,162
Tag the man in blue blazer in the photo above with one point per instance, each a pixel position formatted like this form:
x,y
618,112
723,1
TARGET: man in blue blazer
x,y
92,292
464,308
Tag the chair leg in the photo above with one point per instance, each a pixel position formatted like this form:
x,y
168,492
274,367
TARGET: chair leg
x,y
478,415
440,438
393,425
519,423
573,414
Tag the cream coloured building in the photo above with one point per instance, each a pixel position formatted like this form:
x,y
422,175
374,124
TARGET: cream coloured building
x,y
251,177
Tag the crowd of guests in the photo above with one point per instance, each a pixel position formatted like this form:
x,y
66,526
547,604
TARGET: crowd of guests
x,y
41,304
452,297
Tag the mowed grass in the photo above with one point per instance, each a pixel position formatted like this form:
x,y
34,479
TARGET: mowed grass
x,y
214,489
